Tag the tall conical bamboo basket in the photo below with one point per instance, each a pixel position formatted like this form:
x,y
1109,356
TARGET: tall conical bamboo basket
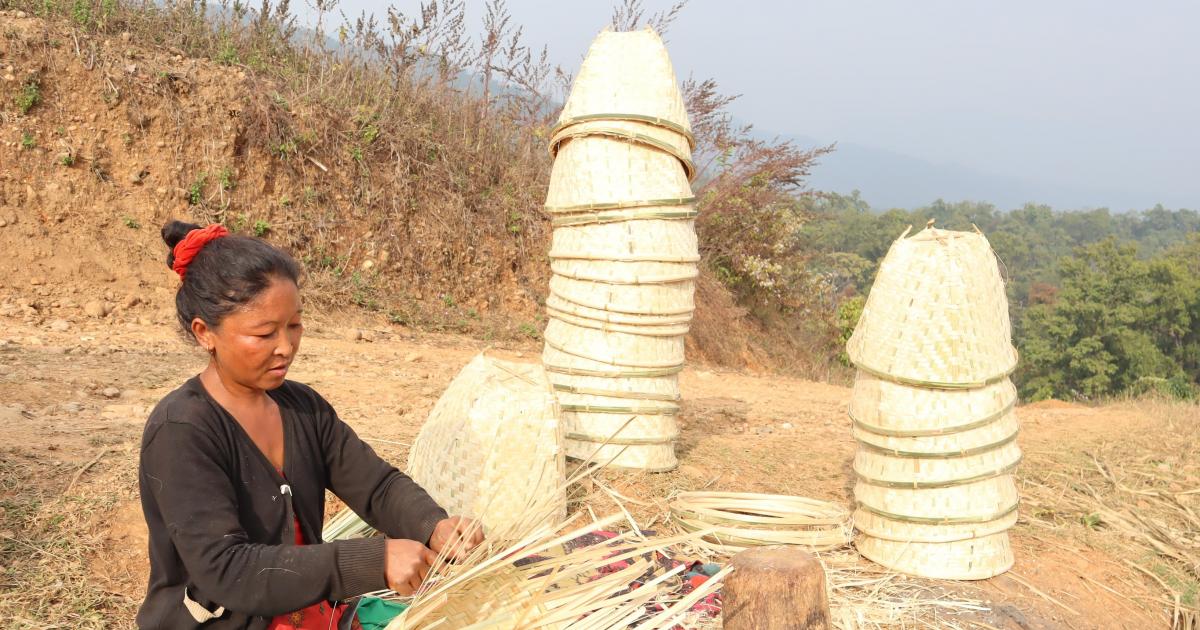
x,y
937,315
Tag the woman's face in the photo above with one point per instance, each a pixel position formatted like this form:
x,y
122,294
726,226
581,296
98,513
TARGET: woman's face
x,y
255,345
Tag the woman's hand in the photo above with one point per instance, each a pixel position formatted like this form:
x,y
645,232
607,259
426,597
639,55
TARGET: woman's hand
x,y
406,565
457,536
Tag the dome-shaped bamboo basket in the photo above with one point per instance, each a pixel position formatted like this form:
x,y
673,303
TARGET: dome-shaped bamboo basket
x,y
627,76
492,445
641,134
911,472
876,526
607,173
668,298
937,315
987,437
652,240
563,305
971,559
982,501
886,408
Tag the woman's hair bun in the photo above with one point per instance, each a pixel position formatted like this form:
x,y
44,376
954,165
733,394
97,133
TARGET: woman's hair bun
x,y
172,233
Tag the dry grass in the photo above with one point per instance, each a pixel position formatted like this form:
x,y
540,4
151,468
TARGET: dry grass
x,y
1137,499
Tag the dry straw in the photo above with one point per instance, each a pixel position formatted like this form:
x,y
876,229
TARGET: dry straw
x,y
738,520
937,315
492,443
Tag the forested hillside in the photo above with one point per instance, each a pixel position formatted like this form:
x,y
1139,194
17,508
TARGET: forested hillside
x,y
1102,303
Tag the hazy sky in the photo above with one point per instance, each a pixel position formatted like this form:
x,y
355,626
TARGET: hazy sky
x,y
1095,95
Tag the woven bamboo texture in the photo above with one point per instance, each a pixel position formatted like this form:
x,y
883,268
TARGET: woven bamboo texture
x,y
880,469
598,172
492,444
671,298
627,75
648,240
881,527
983,500
888,408
660,388
971,559
564,305
616,348
937,315
565,361
986,437
738,520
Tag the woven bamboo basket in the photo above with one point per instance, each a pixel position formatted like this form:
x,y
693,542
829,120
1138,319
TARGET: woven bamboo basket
x,y
492,444
881,527
886,408
971,559
670,298
980,439
567,361
653,137
661,388
564,305
628,441
615,348
937,315
625,272
650,240
596,172
913,472
627,76
984,500
651,330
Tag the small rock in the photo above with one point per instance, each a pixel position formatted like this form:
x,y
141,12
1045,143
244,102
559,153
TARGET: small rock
x,y
351,334
72,407
37,282
704,375
60,325
95,309
413,357
367,264
3,223
132,301
126,36
34,341
786,425
111,392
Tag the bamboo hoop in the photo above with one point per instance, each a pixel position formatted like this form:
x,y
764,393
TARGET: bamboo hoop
x,y
656,138
739,519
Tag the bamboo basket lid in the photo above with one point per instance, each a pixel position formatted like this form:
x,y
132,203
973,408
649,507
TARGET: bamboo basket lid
x,y
740,519
596,172
887,408
911,472
972,559
670,298
655,240
561,304
937,315
627,76
982,501
876,526
615,348
492,444
986,437
652,137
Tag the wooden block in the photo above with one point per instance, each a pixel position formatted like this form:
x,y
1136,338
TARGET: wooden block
x,y
775,588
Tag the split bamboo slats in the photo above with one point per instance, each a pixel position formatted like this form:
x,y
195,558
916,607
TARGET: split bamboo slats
x,y
933,411
623,254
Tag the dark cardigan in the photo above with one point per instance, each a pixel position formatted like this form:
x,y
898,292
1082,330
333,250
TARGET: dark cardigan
x,y
220,515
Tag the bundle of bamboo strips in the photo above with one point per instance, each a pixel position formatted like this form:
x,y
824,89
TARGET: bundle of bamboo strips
x,y
738,520
623,253
933,410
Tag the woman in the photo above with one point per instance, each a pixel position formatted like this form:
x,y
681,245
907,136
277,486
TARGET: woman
x,y
235,464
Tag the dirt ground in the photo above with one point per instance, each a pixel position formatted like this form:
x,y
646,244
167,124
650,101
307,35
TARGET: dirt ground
x,y
76,390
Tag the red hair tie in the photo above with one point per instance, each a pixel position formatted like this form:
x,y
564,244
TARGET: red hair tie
x,y
186,249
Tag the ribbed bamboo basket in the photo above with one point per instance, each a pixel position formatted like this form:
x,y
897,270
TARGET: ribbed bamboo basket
x,y
638,133
937,315
627,76
884,528
650,240
984,500
623,272
635,442
564,305
972,559
621,349
640,213
492,444
910,472
652,330
566,361
983,438
662,388
611,173
670,298
886,408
